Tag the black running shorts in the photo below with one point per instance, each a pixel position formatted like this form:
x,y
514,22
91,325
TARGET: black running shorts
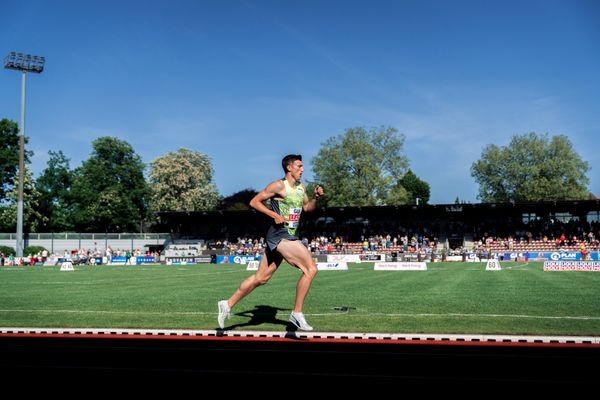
x,y
275,234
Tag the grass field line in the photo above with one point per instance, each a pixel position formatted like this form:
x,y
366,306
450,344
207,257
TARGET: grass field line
x,y
353,314
111,312
464,315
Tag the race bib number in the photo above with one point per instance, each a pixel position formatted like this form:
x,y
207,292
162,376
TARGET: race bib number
x,y
294,217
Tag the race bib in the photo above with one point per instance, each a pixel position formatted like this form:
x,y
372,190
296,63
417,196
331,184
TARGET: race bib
x,y
294,217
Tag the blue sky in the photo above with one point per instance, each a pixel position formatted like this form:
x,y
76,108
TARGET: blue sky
x,y
247,82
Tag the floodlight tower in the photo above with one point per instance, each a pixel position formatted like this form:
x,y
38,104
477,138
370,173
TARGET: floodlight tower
x,y
24,63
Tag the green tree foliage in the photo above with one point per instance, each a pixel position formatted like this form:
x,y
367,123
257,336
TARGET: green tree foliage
x,y
54,186
182,181
31,198
7,251
9,155
531,168
238,201
362,168
415,188
33,250
109,191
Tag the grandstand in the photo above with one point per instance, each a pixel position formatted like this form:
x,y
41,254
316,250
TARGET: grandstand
x,y
428,232
438,230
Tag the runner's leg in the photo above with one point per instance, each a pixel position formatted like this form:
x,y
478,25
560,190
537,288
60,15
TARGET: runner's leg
x,y
296,254
267,267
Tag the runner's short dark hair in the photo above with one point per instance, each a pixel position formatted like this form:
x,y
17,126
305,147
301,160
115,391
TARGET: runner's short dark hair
x,y
289,159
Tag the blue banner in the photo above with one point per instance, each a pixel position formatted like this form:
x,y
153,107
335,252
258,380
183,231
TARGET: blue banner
x,y
144,260
545,256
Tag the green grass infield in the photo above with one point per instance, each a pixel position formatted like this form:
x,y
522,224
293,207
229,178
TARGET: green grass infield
x,y
446,298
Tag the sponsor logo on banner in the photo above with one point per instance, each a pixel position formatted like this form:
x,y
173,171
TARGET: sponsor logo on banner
x,y
372,257
252,265
593,266
400,266
471,257
564,255
236,259
144,260
332,266
188,260
343,258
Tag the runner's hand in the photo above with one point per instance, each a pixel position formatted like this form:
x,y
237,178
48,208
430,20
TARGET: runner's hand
x,y
318,192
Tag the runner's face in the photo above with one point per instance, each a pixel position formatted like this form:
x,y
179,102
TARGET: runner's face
x,y
296,169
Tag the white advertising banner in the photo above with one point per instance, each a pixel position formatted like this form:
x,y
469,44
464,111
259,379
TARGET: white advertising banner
x,y
400,266
332,266
332,258
593,266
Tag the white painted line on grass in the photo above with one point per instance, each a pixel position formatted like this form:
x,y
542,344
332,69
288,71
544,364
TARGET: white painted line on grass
x,y
328,314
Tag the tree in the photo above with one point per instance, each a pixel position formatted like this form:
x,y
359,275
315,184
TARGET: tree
x,y
109,190
182,181
54,185
361,168
415,188
9,155
31,197
531,168
238,201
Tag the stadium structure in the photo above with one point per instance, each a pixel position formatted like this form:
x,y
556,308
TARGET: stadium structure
x,y
429,232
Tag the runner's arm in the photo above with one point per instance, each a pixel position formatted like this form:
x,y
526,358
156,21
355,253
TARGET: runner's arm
x,y
311,205
273,189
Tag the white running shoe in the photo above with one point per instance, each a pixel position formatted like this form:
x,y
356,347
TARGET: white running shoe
x,y
298,320
223,313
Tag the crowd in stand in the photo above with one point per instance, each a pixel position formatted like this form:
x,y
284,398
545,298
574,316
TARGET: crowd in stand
x,y
80,256
536,235
539,234
336,244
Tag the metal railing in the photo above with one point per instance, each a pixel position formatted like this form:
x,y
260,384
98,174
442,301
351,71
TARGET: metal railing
x,y
87,236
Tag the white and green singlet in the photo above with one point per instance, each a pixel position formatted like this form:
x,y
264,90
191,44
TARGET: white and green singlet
x,y
290,208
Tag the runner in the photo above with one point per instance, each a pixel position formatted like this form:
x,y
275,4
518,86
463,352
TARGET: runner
x,y
288,200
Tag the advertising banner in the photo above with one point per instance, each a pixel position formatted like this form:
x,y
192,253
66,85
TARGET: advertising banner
x,y
593,266
332,266
236,259
188,260
118,260
144,260
372,257
355,258
545,256
400,266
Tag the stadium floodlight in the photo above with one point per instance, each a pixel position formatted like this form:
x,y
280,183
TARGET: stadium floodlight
x,y
24,63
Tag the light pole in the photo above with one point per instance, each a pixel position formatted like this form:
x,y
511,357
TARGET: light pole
x,y
22,62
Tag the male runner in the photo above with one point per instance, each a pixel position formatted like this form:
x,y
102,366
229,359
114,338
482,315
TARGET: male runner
x,y
288,200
